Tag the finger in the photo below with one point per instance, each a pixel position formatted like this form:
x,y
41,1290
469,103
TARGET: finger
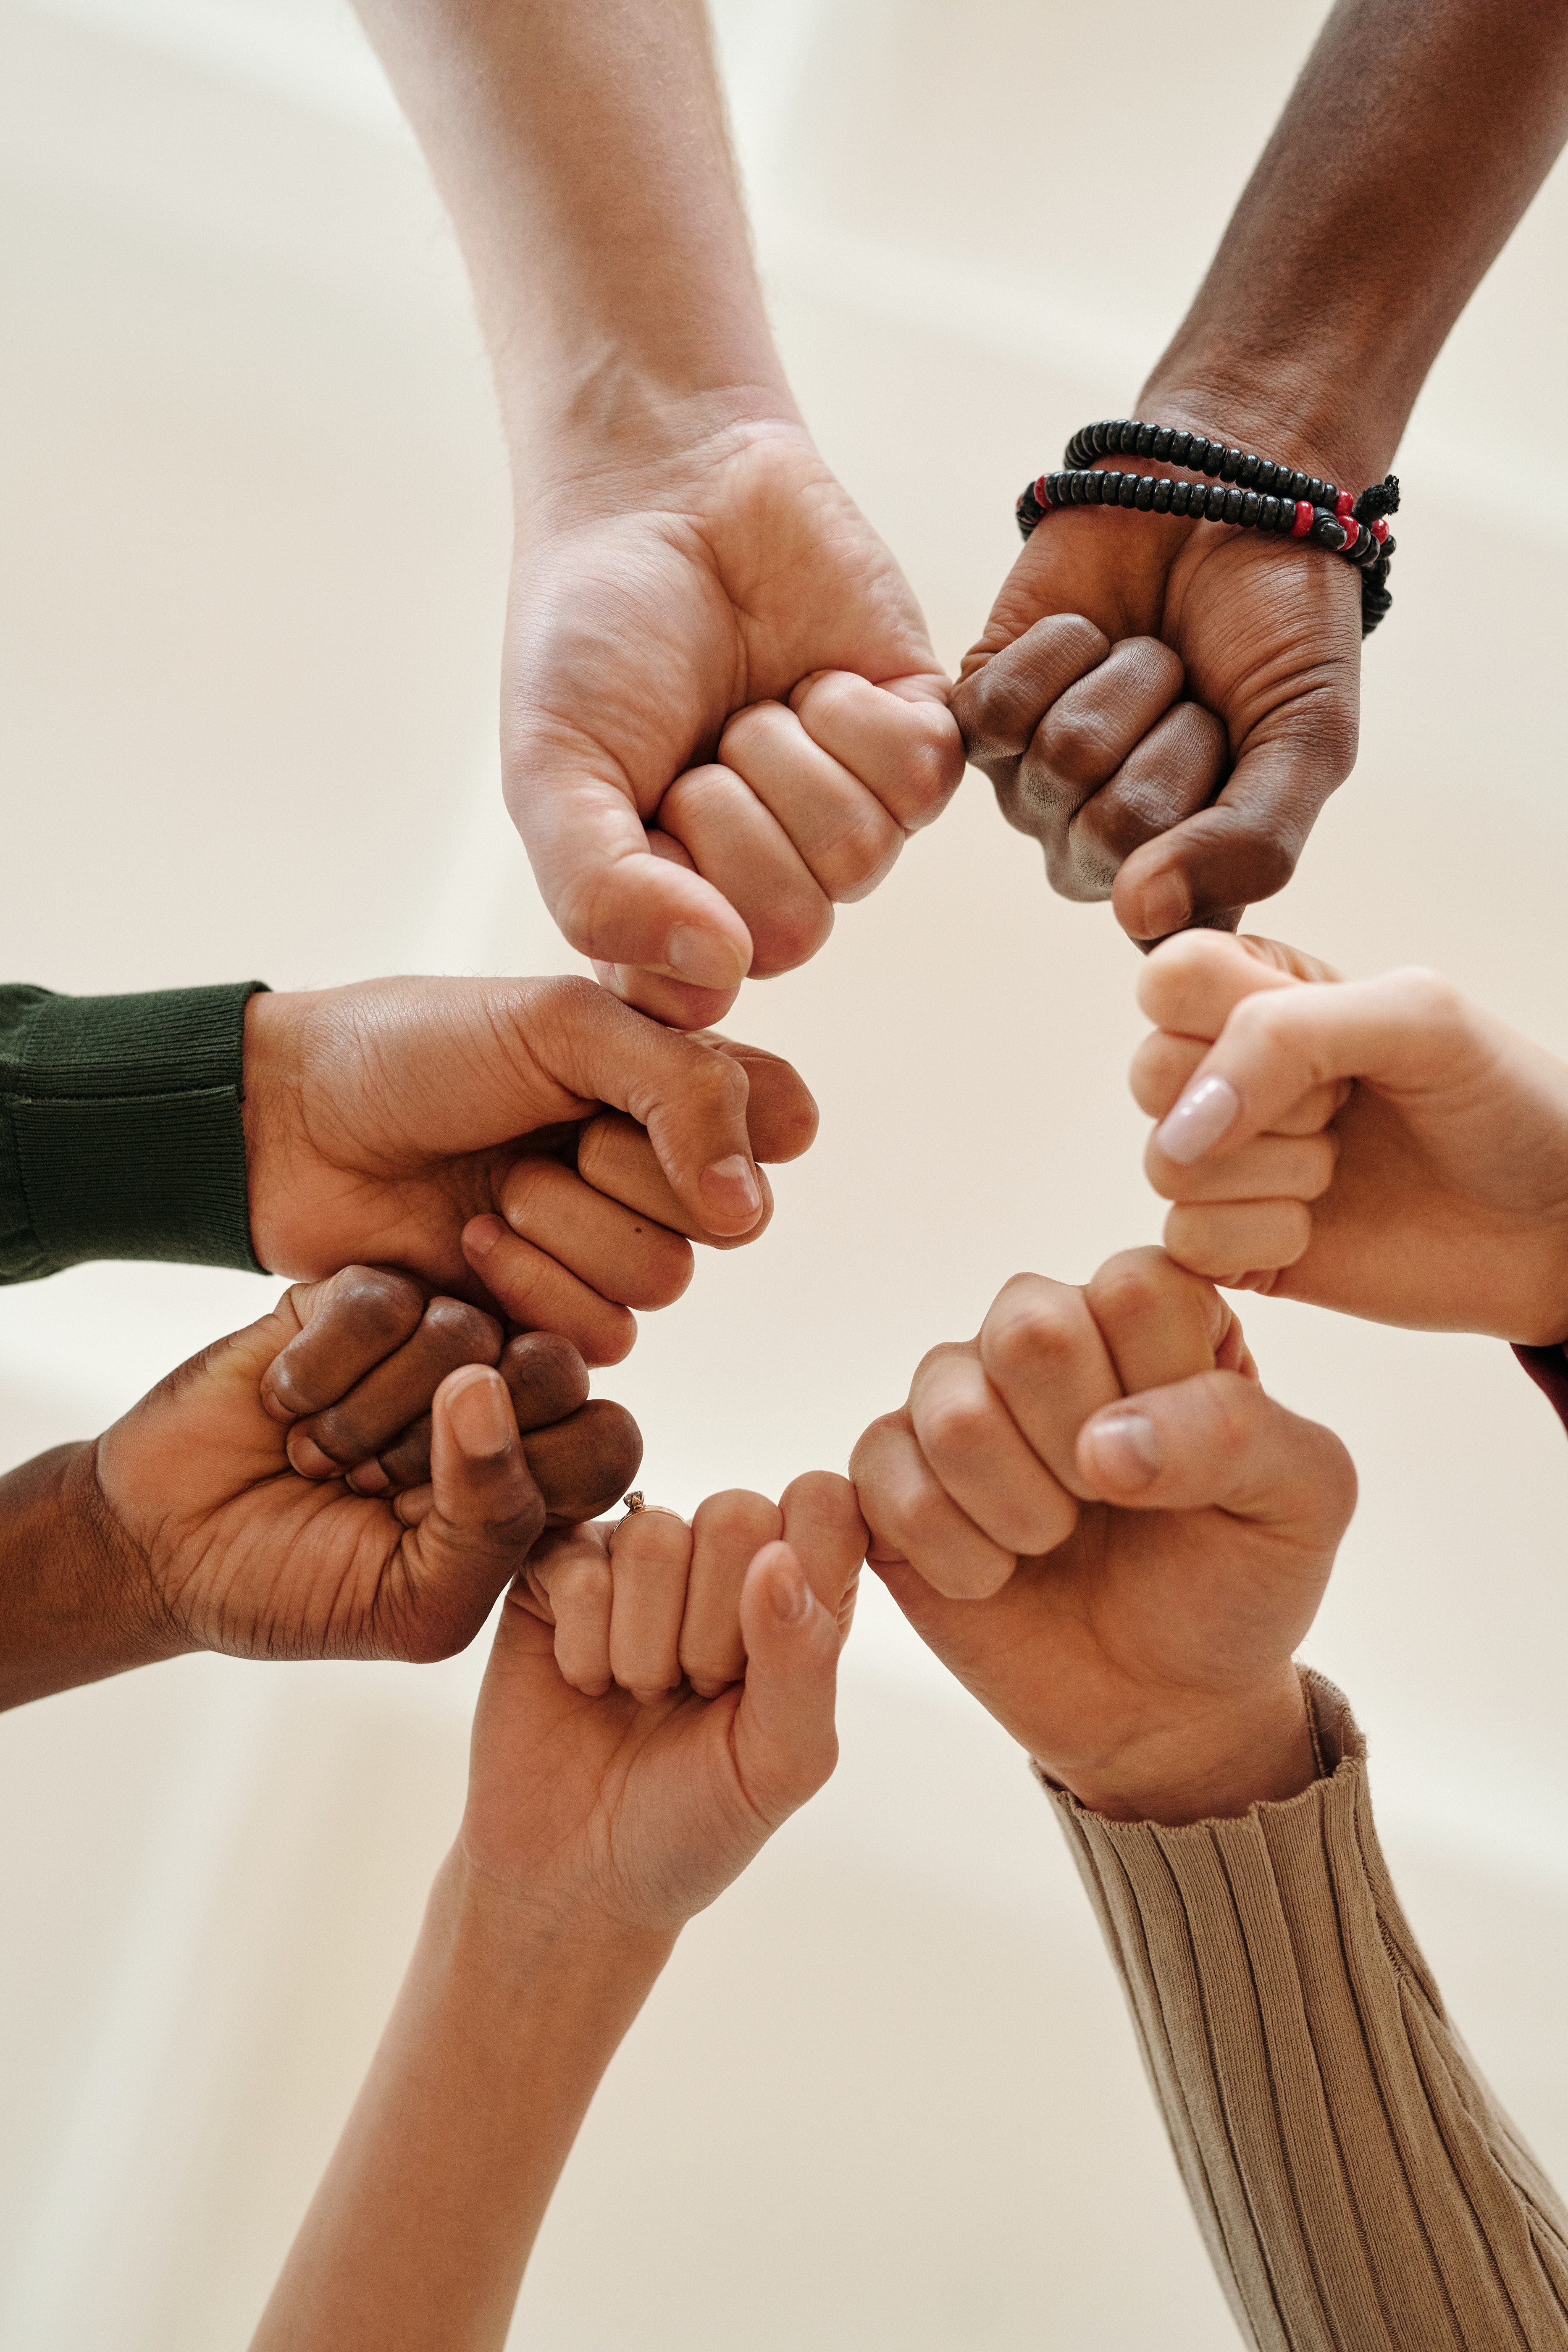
x,y
1000,701
745,849
1269,1168
781,1117
785,1741
822,1527
650,1553
398,1391
1090,729
1045,1355
535,1291
912,1518
569,1569
907,751
984,1463
352,1322
726,1532
629,1259
1159,1322
1218,1440
586,1463
1241,1246
842,832
615,1156
485,1513
1169,775
1245,847
1192,982
1165,1064
692,1100
1406,1029
546,1379
612,896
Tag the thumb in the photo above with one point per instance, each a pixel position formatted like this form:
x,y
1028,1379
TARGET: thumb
x,y
1217,1442
473,1525
616,900
785,1739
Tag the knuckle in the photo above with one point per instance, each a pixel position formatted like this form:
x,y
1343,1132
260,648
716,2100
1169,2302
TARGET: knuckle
x,y
463,1329
382,1301
1027,1343
789,932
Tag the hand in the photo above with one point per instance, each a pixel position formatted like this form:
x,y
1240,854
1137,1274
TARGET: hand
x,y
198,1494
1144,1570
721,712
1165,706
1385,1146
454,1127
658,1700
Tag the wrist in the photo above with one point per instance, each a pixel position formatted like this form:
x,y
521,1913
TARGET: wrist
x,y
1198,1764
516,1940
269,1108
641,439
1294,415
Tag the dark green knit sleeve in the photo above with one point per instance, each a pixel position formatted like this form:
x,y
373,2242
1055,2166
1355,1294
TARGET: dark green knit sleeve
x,y
121,1133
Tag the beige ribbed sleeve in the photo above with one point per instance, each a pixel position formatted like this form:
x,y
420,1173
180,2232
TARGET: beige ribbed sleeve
x,y
1358,2186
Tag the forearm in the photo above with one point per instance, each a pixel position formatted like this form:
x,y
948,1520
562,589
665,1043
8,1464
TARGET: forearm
x,y
423,2222
1414,139
1355,2178
72,1601
582,154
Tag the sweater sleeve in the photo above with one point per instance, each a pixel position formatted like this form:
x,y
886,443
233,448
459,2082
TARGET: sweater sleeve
x,y
120,1134
1357,2184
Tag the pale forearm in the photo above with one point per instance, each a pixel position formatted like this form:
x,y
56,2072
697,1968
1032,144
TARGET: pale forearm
x,y
422,2226
74,1605
583,155
1417,136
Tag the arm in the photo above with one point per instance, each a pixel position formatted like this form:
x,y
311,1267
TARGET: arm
x,y
1199,660
720,710
1353,2178
596,1825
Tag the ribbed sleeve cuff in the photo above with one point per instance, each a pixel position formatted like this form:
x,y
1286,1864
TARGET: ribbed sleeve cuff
x,y
121,1133
1357,2185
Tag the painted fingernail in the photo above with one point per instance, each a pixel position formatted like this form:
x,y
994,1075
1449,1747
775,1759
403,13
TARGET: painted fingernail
x,y
1166,905
730,1187
790,1594
707,958
1204,1114
1127,1449
481,1422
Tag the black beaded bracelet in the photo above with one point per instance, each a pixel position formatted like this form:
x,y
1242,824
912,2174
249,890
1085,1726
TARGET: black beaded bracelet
x,y
1252,492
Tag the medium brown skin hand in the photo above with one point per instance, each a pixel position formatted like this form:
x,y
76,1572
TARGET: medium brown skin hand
x,y
1361,237
457,1128
186,1526
1384,1147
1094,1516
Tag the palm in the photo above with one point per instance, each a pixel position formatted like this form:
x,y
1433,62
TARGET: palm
x,y
637,1814
1134,1606
248,1557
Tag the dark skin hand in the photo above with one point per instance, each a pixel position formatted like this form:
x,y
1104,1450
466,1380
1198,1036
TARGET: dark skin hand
x,y
187,1525
1167,706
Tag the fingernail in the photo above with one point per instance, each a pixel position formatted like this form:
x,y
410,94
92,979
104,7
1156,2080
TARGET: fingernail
x,y
1166,904
707,958
481,1235
730,1187
307,1458
791,1595
370,1478
480,1421
1205,1113
1127,1449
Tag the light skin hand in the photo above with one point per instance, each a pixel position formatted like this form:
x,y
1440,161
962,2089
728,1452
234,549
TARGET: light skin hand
x,y
1384,1147
595,1827
721,712
1095,1517
529,1145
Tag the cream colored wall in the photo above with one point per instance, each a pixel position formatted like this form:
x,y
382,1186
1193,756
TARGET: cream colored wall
x,y
254,554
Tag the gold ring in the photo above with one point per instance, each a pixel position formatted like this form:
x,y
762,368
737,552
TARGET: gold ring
x,y
636,1502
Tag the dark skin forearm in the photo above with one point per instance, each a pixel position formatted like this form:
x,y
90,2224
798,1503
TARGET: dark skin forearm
x,y
1417,136
73,1607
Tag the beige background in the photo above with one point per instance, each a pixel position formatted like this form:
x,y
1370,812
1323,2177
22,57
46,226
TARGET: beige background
x,y
254,557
